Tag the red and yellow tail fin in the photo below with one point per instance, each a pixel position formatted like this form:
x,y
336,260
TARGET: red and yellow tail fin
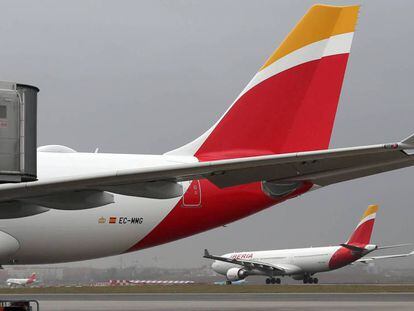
x,y
290,104
362,233
321,22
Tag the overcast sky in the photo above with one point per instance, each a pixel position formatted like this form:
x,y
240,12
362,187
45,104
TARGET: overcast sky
x,y
149,76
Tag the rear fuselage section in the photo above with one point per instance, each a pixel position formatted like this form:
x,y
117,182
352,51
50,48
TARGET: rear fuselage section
x,y
130,223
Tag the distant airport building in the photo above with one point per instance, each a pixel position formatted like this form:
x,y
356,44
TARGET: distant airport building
x,y
148,282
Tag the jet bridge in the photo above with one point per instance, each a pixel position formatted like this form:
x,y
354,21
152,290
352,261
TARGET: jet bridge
x,y
18,132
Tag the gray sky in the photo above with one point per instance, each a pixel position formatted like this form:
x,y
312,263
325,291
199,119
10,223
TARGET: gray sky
x,y
149,76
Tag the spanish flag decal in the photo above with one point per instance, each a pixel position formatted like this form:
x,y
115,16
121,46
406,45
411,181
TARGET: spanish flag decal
x,y
112,220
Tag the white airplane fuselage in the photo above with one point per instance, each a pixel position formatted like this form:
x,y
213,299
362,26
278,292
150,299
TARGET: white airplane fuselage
x,y
17,282
21,282
297,261
71,235
300,263
65,235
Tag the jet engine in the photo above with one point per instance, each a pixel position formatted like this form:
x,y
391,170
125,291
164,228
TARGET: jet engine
x,y
298,277
235,274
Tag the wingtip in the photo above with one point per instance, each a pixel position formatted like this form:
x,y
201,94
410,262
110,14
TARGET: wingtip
x,y
206,253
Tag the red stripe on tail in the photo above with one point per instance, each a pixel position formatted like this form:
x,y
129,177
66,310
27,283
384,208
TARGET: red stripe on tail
x,y
289,112
362,235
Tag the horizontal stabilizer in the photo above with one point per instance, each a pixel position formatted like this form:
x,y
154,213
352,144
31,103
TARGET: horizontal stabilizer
x,y
371,259
395,246
353,247
409,141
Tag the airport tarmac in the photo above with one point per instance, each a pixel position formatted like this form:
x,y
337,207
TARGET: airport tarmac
x,y
256,301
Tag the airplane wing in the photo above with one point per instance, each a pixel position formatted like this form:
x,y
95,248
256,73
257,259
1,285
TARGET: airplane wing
x,y
371,259
257,265
14,282
321,168
361,249
248,264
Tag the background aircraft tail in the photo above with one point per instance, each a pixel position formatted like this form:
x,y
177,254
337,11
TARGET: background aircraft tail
x,y
32,278
290,104
362,233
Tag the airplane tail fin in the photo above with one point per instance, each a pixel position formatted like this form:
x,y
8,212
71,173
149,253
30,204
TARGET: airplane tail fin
x,y
291,102
32,277
362,233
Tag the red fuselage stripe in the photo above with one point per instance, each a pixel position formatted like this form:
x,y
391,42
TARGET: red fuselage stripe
x,y
218,207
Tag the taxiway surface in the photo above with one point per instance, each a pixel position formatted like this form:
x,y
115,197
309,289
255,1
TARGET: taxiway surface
x,y
314,301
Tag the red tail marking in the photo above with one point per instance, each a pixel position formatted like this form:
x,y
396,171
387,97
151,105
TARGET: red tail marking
x,y
32,278
291,111
362,234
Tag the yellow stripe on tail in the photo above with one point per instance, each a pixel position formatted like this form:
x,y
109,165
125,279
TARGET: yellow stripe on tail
x,y
370,210
319,23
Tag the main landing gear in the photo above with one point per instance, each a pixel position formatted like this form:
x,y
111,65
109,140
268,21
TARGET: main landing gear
x,y
310,280
272,281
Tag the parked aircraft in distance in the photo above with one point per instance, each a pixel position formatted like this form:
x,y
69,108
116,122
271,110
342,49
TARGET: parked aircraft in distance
x,y
303,263
271,145
21,282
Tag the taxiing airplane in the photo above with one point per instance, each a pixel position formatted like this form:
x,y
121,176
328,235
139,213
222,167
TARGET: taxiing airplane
x,y
303,263
21,282
271,145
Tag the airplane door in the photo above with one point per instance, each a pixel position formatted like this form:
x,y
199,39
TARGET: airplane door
x,y
192,197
